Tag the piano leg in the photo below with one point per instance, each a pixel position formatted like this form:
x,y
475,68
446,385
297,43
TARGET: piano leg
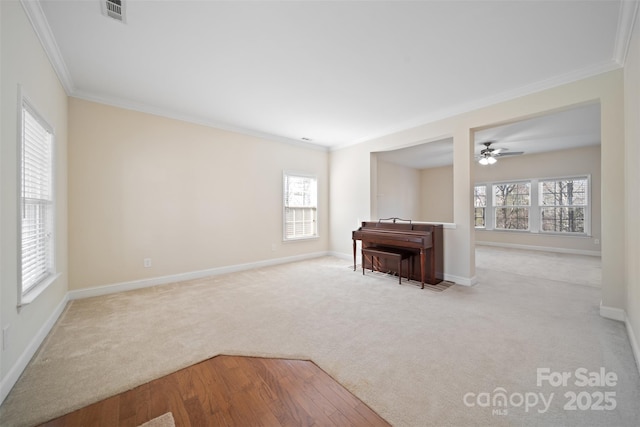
x,y
423,258
354,256
432,274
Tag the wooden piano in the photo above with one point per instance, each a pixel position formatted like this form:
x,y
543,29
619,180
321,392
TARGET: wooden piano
x,y
424,240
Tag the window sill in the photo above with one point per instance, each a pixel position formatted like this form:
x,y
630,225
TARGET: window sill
x,y
299,239
539,233
35,292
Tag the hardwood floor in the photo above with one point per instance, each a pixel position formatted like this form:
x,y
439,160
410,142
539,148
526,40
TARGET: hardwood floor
x,y
233,391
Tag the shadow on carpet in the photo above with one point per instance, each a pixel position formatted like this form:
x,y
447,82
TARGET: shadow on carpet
x,y
393,278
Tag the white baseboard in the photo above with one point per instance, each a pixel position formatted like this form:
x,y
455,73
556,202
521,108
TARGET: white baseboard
x,y
14,373
612,313
163,280
458,280
540,248
621,315
634,342
16,370
342,255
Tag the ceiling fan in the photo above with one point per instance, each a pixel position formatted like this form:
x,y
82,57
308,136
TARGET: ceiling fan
x,y
488,155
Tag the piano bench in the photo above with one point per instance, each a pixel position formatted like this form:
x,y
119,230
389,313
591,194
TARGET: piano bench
x,y
389,253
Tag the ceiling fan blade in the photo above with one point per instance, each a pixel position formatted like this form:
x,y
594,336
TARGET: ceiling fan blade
x,y
511,153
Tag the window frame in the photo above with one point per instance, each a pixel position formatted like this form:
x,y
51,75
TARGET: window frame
x,y
587,206
527,207
535,206
476,207
285,236
26,296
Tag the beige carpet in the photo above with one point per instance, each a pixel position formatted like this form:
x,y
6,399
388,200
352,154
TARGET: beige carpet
x,y
392,277
411,355
164,420
569,268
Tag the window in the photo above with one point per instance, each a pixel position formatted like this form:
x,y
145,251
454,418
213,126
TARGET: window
x,y
36,201
480,205
512,202
563,205
560,205
300,206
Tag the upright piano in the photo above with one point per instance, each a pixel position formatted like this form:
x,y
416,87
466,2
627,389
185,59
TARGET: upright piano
x,y
424,240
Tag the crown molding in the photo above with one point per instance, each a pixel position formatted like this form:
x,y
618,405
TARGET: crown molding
x,y
626,20
38,20
171,114
35,14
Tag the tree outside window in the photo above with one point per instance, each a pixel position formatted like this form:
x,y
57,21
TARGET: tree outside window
x,y
563,205
512,202
480,205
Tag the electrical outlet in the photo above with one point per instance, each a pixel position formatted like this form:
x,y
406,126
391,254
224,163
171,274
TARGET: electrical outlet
x,y
596,241
147,262
273,247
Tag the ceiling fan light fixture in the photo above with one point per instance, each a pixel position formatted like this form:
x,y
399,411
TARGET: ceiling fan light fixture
x,y
487,159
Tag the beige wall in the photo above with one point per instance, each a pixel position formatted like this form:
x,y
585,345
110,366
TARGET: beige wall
x,y
579,161
25,63
398,191
419,195
353,177
189,197
143,186
436,194
632,156
2,375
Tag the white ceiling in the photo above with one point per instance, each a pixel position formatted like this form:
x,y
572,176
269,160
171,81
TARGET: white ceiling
x,y
561,130
422,155
335,72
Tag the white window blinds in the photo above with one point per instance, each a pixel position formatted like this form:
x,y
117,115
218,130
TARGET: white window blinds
x,y
300,206
36,201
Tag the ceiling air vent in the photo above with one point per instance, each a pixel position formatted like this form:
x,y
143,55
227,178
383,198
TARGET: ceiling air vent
x,y
113,9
